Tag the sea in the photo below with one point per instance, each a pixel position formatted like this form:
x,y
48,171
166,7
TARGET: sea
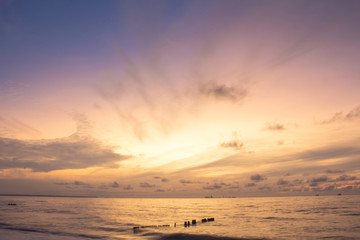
x,y
77,218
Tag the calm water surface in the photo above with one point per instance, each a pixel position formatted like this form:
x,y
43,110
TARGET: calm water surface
x,y
324,217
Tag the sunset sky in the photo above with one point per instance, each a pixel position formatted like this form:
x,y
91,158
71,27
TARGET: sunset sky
x,y
179,98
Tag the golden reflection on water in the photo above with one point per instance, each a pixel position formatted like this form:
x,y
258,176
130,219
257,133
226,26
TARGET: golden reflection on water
x,y
288,217
281,217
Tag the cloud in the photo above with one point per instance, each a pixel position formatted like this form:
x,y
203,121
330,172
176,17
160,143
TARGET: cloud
x,y
329,152
235,144
274,127
250,185
74,152
212,187
330,171
185,181
74,183
267,188
346,178
258,178
221,91
159,190
282,182
314,181
15,128
162,179
353,114
346,188
329,188
341,116
146,185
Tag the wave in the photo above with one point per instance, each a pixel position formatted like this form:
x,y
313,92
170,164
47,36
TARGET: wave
x,y
279,218
185,236
65,234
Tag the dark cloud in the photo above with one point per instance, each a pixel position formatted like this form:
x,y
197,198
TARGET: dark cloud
x,y
222,91
346,178
147,185
185,181
162,179
282,182
315,181
74,152
235,144
115,185
274,127
258,177
333,171
266,188
74,183
250,185
298,181
212,187
329,188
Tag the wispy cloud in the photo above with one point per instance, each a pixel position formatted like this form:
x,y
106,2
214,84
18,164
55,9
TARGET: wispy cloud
x,y
146,185
274,126
333,171
15,128
341,116
74,184
235,144
212,187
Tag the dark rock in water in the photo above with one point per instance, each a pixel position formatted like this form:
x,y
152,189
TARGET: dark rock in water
x,y
185,224
193,222
203,220
12,204
211,219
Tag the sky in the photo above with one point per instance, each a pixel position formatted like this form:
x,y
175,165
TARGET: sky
x,y
179,98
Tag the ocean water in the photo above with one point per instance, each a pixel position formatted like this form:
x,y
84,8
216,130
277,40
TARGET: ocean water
x,y
315,217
